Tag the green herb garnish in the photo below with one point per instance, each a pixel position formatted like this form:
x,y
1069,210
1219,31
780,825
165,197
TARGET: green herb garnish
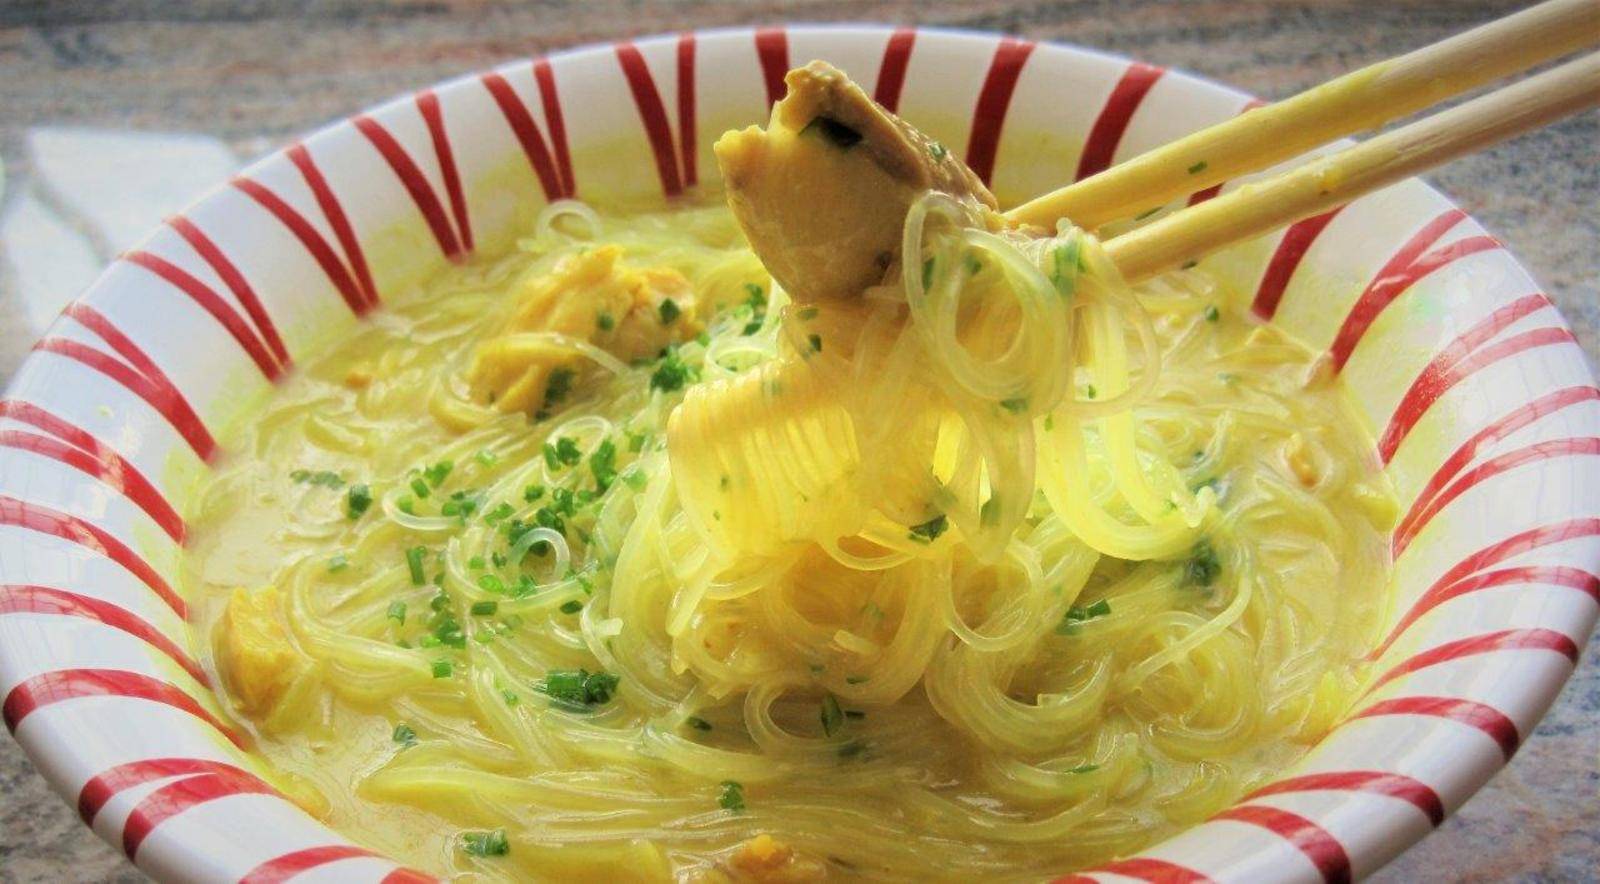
x,y
414,564
669,311
486,843
832,716
319,478
930,530
578,689
357,500
732,797
1203,566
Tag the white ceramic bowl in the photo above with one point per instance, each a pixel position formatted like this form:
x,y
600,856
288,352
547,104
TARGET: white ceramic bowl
x,y
1483,405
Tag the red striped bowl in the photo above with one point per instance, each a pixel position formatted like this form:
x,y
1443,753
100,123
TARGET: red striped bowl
x,y
1487,417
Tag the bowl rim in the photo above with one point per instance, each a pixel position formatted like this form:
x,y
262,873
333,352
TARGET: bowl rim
x,y
1282,822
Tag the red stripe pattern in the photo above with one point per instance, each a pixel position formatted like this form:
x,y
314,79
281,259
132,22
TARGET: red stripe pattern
x,y
892,72
134,371
30,599
1504,640
1409,264
1408,789
228,272
70,684
1286,258
554,180
686,121
44,520
1109,126
1143,868
282,868
1491,721
647,98
1324,850
453,243
180,795
1467,452
772,48
1469,575
994,99
1445,372
349,274
1418,517
83,452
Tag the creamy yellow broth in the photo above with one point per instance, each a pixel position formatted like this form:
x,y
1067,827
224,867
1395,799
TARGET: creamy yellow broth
x,y
764,701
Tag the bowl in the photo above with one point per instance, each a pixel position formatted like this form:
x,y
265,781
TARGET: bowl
x,y
1481,403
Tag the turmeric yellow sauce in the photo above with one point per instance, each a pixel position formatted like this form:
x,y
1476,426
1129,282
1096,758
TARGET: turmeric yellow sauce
x,y
602,561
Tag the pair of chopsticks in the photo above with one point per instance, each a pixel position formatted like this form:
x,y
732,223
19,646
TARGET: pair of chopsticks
x,y
1355,102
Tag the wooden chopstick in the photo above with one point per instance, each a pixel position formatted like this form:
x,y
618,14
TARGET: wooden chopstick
x,y
1334,180
1356,102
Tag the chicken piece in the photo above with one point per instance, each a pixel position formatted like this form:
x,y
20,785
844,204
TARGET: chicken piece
x,y
257,661
589,297
766,860
822,192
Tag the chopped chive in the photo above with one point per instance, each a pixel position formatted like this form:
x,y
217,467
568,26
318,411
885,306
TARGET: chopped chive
x,y
669,311
571,606
635,478
816,343
671,373
442,668
491,583
510,697
1143,215
1203,566
1085,768
832,716
338,562
357,500
1197,168
1077,614
486,457
937,151
397,612
927,274
855,679
930,530
420,487
436,473
732,797
989,513
973,265
698,723
556,388
1212,314
414,564
485,608
605,322
1015,405
1089,391
1189,265
404,735
603,465
486,843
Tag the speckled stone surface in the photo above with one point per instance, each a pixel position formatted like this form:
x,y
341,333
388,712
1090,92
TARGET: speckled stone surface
x,y
147,103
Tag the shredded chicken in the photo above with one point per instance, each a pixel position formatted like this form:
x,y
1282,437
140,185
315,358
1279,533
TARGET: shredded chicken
x,y
254,654
822,192
592,298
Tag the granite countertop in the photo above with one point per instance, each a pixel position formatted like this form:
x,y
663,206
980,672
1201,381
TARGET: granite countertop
x,y
116,112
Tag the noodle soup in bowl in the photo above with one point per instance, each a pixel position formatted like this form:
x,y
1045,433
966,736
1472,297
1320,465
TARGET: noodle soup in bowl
x,y
455,492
